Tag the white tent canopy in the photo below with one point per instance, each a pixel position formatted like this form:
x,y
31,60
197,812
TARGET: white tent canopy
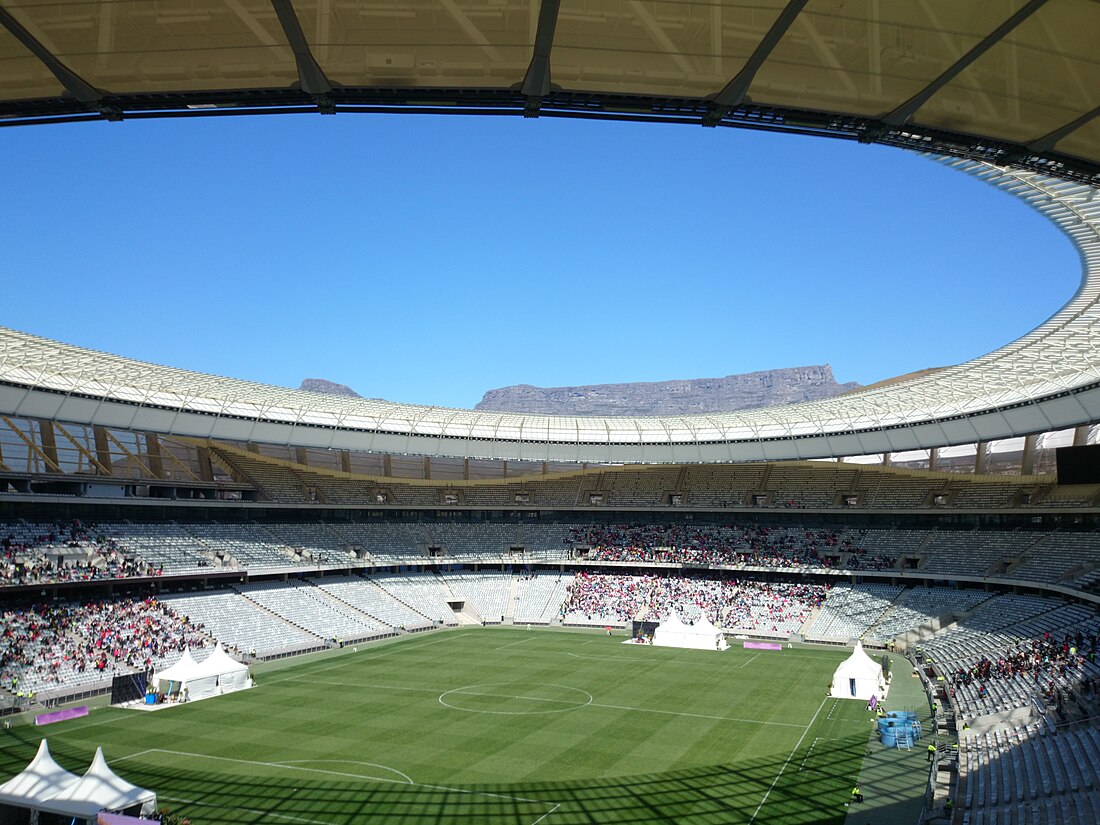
x,y
100,789
40,780
858,677
187,673
47,787
702,635
230,674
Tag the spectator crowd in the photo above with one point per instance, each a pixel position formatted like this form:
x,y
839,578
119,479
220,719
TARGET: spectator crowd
x,y
771,607
43,646
733,545
64,552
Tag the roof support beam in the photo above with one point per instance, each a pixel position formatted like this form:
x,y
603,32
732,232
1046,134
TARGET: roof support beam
x,y
1049,141
32,447
733,95
536,83
470,29
910,107
310,74
137,461
660,37
73,83
100,468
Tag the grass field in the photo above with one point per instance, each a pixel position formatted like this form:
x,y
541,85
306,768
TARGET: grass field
x,y
498,726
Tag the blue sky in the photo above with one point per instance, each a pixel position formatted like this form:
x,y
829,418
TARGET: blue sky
x,y
428,259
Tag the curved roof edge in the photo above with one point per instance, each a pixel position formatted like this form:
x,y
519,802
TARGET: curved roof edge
x,y
1048,379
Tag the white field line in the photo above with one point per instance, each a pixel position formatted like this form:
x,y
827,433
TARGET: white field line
x,y
618,659
132,755
465,692
541,818
809,753
788,760
253,811
374,653
511,644
695,715
594,704
623,659
350,775
289,765
361,686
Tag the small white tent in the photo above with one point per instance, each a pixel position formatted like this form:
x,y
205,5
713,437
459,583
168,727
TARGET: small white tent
x,y
186,673
230,674
702,635
100,789
40,780
858,677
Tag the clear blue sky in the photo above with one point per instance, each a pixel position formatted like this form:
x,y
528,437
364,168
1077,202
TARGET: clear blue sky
x,y
428,259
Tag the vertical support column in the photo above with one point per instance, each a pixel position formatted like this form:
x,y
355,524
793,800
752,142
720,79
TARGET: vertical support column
x,y
301,456
1081,436
1027,460
153,456
345,460
428,468
885,459
981,458
505,465
252,447
206,468
102,449
933,459
545,467
387,465
465,469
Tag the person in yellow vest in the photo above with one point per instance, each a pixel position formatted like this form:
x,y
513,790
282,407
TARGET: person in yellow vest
x,y
932,752
857,794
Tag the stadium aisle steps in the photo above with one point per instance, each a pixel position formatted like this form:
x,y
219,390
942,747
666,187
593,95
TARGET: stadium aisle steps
x,y
273,614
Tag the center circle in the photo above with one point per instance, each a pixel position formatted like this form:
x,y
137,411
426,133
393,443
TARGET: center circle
x,y
515,698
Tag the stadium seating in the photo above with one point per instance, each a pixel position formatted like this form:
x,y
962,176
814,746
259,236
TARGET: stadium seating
x,y
1030,774
305,606
369,598
539,597
243,625
849,612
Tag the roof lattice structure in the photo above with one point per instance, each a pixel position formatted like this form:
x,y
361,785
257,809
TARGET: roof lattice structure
x,y
1007,81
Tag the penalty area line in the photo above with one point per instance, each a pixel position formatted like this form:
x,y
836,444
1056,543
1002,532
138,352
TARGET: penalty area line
x,y
695,715
512,644
252,811
541,818
788,760
362,777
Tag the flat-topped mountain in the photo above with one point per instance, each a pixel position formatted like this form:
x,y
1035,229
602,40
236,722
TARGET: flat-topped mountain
x,y
767,388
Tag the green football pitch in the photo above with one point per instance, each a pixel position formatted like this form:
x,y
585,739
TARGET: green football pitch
x,y
494,727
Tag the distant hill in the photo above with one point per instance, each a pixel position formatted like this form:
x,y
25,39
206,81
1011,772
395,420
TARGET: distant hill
x,y
767,388
328,387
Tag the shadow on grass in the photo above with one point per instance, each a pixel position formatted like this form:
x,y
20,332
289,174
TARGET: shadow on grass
x,y
810,787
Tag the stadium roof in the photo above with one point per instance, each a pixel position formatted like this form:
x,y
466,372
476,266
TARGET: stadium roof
x,y
1047,380
1008,81
1011,82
